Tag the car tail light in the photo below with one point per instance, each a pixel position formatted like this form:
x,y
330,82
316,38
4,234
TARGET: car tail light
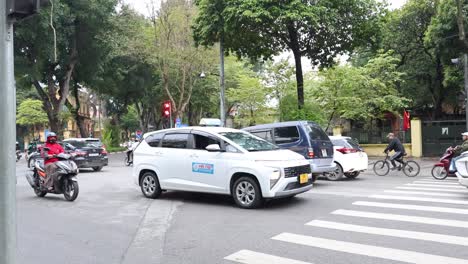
x,y
104,151
80,153
310,153
347,150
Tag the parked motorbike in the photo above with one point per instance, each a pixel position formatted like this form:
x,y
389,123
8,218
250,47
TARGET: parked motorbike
x,y
18,155
441,170
66,182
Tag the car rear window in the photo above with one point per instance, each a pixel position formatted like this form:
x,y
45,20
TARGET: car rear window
x,y
316,132
84,144
346,142
285,135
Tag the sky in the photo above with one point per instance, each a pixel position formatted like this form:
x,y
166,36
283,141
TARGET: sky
x,y
140,5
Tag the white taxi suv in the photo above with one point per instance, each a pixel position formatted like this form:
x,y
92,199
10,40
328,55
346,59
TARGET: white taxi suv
x,y
462,169
349,157
218,160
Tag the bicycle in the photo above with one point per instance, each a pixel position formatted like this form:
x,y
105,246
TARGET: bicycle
x,y
410,168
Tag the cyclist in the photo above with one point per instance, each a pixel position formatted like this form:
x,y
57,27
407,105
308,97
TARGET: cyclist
x,y
398,148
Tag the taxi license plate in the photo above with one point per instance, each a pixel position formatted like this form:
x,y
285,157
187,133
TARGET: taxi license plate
x,y
93,154
303,178
324,153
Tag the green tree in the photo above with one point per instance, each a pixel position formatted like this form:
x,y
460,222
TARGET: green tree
x,y
71,47
360,93
318,30
31,114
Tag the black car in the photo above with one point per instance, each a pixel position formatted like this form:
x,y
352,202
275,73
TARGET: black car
x,y
89,152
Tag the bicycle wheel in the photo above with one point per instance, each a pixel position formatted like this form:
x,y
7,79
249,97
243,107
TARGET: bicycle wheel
x,y
411,169
381,168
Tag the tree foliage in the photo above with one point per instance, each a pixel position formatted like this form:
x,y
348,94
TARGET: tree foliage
x,y
54,56
318,30
360,93
31,114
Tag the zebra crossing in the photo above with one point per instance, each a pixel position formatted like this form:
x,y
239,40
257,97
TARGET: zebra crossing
x,y
414,211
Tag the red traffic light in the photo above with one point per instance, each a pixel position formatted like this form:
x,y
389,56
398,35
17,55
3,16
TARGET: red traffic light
x,y
166,109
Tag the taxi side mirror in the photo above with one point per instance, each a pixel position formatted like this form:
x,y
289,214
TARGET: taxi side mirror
x,y
214,148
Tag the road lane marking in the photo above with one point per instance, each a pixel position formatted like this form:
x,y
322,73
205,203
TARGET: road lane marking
x,y
368,250
435,185
436,182
252,257
456,240
432,189
418,199
425,193
403,218
433,179
413,207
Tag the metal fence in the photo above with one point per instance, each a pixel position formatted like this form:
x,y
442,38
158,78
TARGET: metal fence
x,y
379,136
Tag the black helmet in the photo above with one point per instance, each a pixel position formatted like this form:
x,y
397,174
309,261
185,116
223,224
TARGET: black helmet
x,y
51,137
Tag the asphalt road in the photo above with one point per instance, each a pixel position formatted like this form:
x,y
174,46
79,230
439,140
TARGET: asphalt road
x,y
392,219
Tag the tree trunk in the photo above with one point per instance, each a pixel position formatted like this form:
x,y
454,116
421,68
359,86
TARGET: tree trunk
x,y
439,89
294,46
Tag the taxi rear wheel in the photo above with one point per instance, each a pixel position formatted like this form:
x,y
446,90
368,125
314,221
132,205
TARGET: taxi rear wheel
x,y
246,193
150,185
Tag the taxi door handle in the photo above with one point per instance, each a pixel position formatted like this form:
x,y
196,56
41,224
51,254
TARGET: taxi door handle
x,y
193,156
158,153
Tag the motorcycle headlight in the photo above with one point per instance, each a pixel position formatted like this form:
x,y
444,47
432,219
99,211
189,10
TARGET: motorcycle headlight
x,y
275,175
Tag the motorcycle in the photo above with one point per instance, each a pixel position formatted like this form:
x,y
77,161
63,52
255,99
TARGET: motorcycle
x,y
18,155
66,182
441,170
128,158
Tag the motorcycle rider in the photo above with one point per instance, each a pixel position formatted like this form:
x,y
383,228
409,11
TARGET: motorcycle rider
x,y
458,150
130,147
397,147
50,160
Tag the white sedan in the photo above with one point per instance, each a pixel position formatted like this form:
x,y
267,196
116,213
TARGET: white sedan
x,y
218,160
349,157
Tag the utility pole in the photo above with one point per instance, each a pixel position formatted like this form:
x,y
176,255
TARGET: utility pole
x,y
222,109
7,141
465,70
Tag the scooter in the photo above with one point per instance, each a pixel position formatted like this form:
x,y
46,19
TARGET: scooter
x,y
441,170
66,183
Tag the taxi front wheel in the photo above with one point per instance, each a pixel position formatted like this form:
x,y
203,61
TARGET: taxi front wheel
x,y
150,185
246,193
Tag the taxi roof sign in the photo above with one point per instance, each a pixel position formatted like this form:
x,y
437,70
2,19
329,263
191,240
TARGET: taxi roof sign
x,y
210,122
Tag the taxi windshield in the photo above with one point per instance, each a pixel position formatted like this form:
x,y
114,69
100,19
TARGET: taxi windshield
x,y
249,142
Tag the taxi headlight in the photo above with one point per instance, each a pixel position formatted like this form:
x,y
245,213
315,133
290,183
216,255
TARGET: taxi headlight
x,y
275,176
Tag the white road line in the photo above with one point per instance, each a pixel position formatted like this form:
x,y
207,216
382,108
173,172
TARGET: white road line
x,y
404,218
456,240
435,185
252,257
368,250
436,182
414,207
432,179
433,189
419,199
426,193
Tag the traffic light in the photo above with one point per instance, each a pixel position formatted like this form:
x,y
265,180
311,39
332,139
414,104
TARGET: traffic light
x,y
167,109
20,9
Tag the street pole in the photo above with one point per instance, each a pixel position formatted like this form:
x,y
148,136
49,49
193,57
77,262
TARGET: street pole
x,y
221,81
465,69
7,141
